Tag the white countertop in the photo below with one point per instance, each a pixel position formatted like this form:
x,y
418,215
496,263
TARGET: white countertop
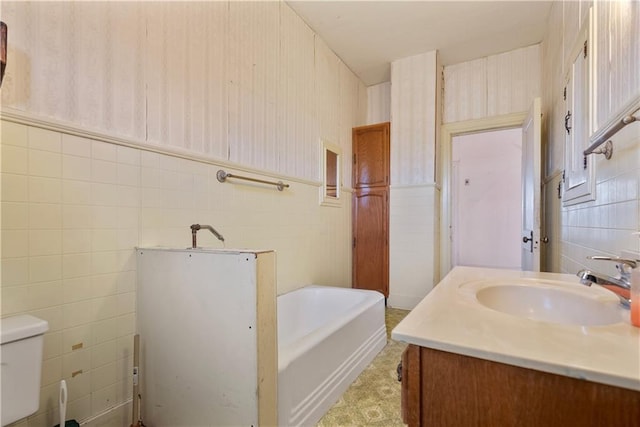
x,y
451,319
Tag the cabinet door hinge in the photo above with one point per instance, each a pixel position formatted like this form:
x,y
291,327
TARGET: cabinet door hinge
x,y
564,93
354,159
563,174
585,48
584,162
354,242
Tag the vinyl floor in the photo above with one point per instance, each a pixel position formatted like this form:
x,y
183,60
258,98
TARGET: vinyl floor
x,y
373,399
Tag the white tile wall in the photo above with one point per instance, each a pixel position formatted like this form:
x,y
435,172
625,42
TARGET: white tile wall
x,y
68,246
604,226
413,228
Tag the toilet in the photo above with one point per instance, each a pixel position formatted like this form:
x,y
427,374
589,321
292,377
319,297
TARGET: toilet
x,y
21,359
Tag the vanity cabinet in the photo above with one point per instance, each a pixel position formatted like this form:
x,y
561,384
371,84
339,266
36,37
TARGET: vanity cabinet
x,y
443,389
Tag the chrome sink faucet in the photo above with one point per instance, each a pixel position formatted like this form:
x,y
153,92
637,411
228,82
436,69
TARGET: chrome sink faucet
x,y
196,227
623,281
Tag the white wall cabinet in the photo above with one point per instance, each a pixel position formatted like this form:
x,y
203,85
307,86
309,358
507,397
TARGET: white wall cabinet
x,y
579,96
602,84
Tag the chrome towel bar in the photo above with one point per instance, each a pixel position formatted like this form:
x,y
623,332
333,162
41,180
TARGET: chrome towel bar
x,y
222,177
606,136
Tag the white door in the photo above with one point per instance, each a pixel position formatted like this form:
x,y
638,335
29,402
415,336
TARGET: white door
x,y
486,199
531,189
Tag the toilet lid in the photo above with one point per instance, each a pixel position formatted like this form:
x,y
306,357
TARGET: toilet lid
x,y
20,327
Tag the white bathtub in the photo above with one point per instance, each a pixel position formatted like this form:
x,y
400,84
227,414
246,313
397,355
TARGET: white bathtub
x,y
326,337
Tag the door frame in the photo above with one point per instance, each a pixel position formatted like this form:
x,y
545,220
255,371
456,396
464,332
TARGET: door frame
x,y
495,144
447,132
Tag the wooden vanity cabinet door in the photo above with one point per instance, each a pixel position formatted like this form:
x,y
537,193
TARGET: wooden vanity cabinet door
x,y
410,390
460,391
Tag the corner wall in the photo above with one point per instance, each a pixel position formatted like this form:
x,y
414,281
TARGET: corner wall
x,y
413,225
602,226
418,108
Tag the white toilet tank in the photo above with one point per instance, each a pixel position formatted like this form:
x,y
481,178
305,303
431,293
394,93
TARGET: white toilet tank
x,y
21,360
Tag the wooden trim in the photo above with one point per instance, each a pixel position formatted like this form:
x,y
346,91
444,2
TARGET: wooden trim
x,y
408,186
411,386
267,337
374,126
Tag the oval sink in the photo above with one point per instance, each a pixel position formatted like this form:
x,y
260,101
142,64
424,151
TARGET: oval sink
x,y
553,305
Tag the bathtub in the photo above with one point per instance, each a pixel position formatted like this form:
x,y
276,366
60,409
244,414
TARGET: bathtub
x,y
326,337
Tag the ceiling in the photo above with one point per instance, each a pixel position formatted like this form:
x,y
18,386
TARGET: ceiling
x,y
369,35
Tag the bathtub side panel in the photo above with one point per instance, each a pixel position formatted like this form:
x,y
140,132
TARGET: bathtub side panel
x,y
314,379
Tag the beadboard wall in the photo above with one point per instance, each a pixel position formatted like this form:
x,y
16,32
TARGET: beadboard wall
x,y
414,195
413,112
492,86
379,98
602,226
116,118
244,82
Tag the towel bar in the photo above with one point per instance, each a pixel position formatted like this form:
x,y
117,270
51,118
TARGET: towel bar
x,y
222,177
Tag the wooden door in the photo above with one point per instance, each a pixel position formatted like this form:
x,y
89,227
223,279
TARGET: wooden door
x,y
371,208
371,156
370,239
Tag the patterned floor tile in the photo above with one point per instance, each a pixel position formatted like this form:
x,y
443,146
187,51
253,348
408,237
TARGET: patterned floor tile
x,y
373,399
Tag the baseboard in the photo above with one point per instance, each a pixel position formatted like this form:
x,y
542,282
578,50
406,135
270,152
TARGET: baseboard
x,y
405,302
119,415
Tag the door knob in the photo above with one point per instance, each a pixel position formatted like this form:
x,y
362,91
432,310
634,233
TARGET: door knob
x,y
526,239
545,239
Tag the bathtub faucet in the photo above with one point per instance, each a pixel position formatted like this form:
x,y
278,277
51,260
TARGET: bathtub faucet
x,y
196,227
